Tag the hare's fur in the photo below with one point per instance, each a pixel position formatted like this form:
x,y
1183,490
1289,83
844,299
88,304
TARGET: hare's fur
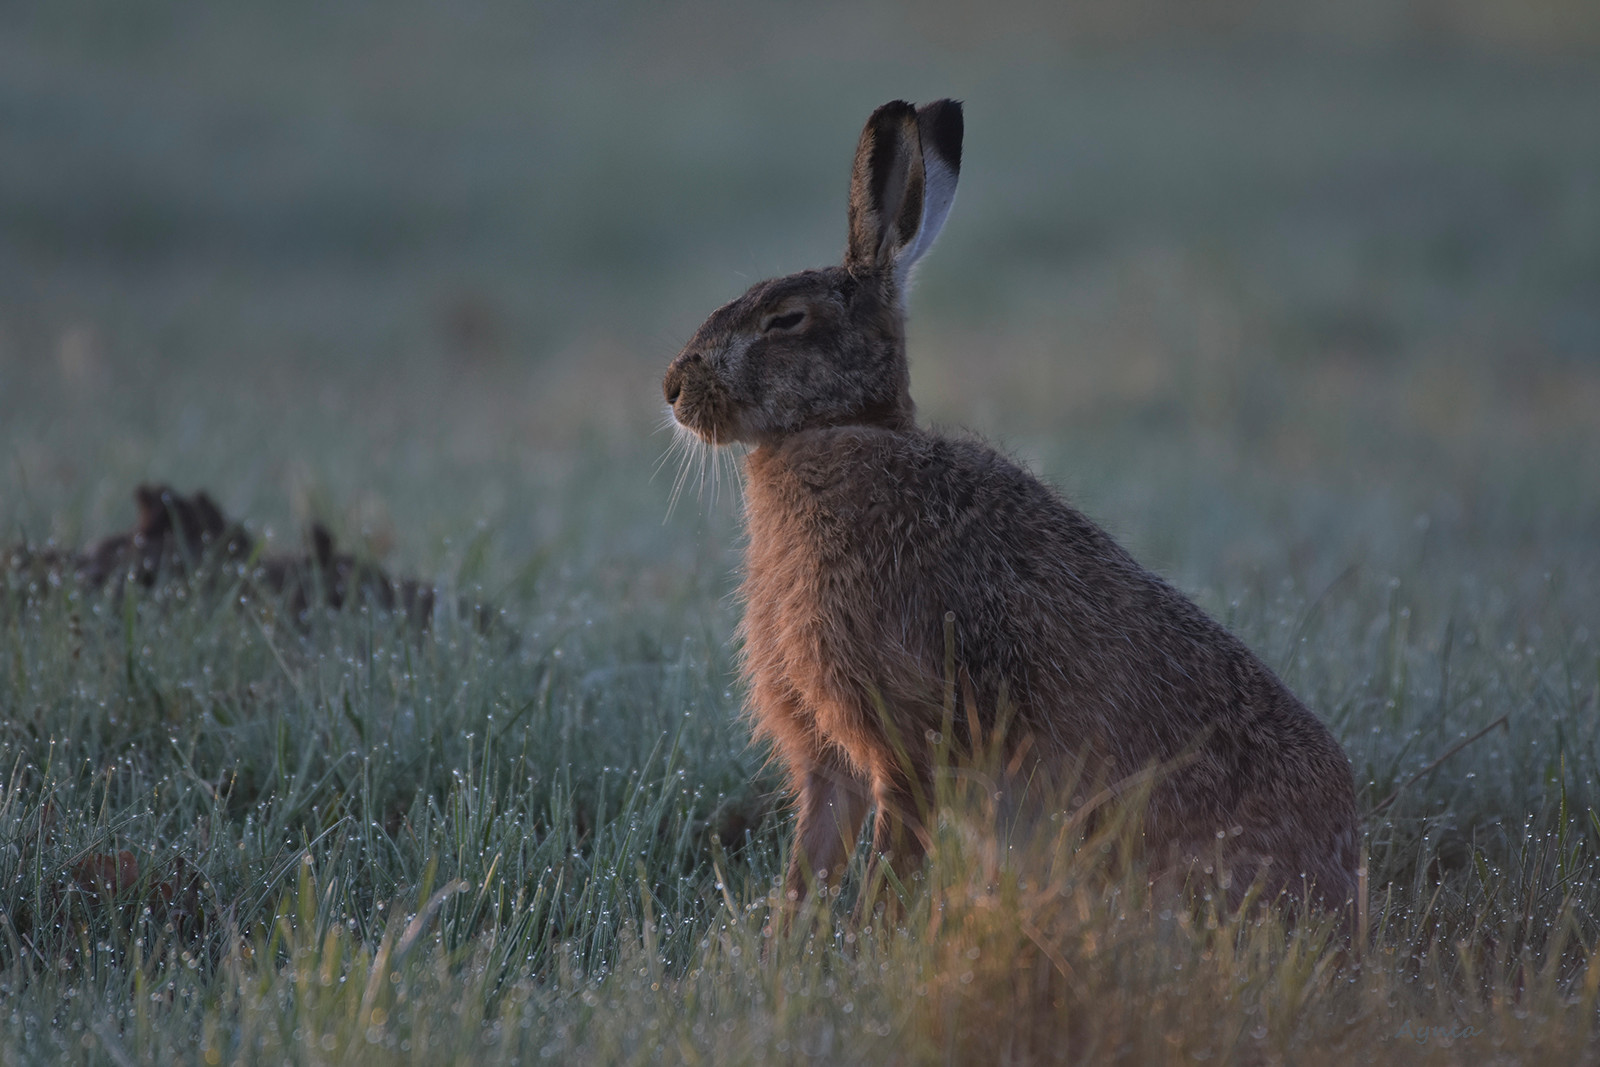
x,y
881,554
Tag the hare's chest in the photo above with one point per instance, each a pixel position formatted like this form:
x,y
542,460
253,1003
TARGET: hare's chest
x,y
821,562
823,615
805,593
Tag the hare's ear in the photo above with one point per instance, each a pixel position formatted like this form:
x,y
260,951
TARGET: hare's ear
x,y
885,189
940,128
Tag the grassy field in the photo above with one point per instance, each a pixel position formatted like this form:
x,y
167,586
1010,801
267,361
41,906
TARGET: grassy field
x,y
1305,311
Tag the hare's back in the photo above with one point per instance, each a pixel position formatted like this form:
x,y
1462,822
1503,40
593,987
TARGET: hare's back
x,y
897,541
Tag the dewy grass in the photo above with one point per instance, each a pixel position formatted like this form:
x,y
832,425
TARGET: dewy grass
x,y
233,837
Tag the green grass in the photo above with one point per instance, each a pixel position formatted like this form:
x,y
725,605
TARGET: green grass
x,y
1302,311
430,849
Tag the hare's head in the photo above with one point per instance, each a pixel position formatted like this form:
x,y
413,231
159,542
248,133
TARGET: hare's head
x,y
827,347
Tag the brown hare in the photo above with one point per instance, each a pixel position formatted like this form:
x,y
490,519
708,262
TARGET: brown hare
x,y
877,548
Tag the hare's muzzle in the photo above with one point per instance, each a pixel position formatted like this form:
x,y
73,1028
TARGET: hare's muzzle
x,y
672,384
698,400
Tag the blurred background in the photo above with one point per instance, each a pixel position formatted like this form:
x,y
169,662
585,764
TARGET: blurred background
x,y
1267,287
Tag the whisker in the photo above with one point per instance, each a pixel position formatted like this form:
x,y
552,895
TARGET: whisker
x,y
675,444
733,473
684,444
705,458
666,454
708,463
716,470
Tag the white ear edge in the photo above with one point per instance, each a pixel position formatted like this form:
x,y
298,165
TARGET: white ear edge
x,y
938,194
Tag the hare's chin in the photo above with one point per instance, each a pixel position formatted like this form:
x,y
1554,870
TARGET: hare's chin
x,y
695,435
715,436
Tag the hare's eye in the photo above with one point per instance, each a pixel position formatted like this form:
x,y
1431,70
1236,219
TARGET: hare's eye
x,y
787,321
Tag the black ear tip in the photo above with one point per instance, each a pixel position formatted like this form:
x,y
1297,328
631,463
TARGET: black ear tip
x,y
891,116
942,126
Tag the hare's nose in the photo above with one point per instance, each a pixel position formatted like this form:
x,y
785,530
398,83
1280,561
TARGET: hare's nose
x,y
673,385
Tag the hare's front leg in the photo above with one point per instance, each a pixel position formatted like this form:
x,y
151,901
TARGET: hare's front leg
x,y
831,800
832,804
899,836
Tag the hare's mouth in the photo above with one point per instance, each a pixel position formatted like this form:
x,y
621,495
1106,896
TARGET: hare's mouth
x,y
707,423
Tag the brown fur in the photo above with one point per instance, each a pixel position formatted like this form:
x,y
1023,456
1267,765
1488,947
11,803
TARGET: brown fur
x,y
877,548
